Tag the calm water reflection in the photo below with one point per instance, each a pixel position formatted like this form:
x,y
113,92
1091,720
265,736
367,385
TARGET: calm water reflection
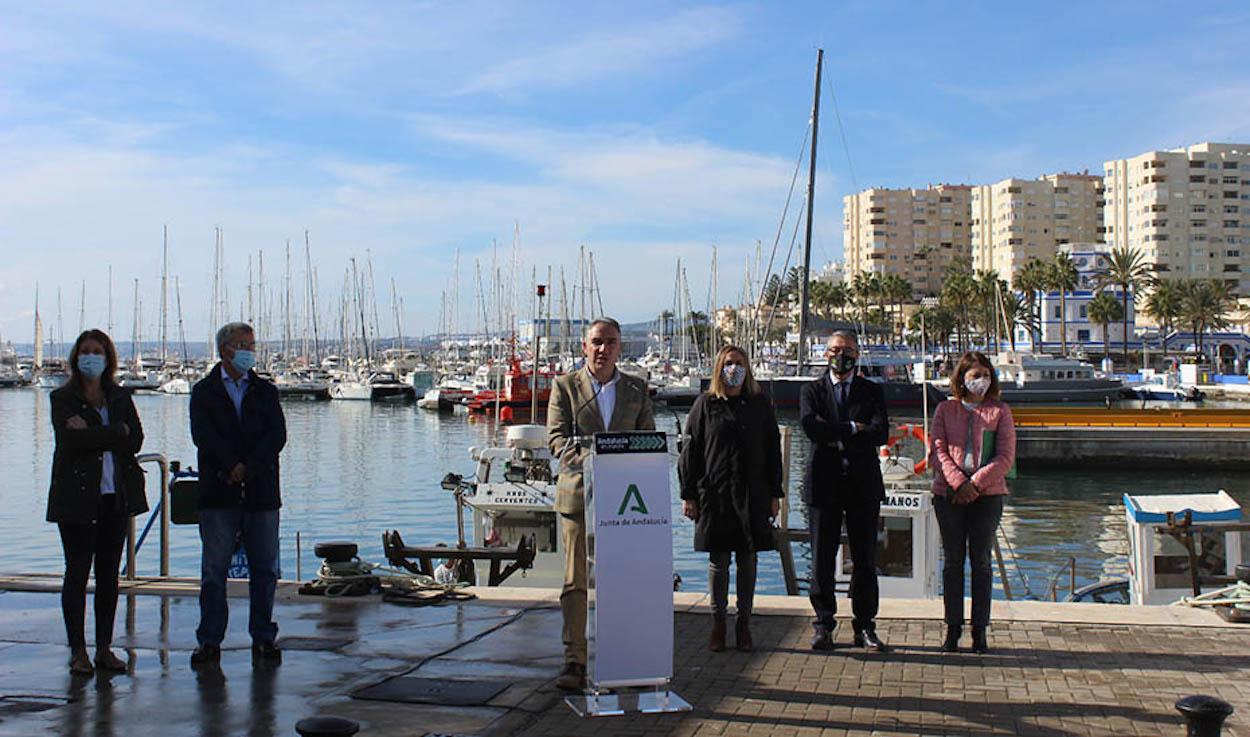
x,y
353,469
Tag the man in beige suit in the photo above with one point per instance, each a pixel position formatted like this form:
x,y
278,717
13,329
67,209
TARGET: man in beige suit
x,y
592,399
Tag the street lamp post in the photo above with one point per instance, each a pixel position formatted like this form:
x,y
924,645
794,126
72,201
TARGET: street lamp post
x,y
925,304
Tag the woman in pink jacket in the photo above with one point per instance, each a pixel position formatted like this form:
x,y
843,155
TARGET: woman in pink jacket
x,y
972,447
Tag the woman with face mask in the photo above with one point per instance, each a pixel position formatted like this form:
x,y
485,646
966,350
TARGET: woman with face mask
x,y
97,486
730,471
972,447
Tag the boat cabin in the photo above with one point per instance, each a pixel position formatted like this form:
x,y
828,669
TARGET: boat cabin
x,y
1158,562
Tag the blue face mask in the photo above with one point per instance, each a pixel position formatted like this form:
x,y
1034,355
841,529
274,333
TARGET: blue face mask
x,y
243,361
734,375
91,365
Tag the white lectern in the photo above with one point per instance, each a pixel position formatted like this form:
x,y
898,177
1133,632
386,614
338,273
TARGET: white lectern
x,y
629,544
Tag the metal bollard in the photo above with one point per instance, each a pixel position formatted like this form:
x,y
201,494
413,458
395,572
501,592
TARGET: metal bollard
x,y
1204,715
326,726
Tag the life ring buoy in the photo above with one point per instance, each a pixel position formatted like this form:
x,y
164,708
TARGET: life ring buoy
x,y
920,467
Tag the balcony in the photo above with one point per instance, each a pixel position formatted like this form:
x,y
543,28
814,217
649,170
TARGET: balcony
x,y
1157,224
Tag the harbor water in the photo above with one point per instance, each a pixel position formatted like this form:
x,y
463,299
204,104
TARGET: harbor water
x,y
351,470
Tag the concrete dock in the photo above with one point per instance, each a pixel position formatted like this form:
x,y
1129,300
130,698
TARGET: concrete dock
x,y
1055,669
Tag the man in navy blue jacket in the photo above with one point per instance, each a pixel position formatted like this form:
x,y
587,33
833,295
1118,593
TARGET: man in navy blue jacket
x,y
844,416
238,429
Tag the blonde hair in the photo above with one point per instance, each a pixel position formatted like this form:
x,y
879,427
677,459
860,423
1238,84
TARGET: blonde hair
x,y
717,386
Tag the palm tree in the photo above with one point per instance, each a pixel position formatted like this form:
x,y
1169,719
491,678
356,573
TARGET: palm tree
x,y
1103,310
840,298
958,295
1205,304
818,294
898,290
987,287
1164,305
861,292
1063,277
1128,270
1017,312
1031,279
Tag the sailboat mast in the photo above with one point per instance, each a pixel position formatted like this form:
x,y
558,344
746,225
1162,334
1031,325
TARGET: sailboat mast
x,y
164,290
811,201
182,335
312,297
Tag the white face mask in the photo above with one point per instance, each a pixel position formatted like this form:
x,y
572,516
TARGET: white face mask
x,y
978,386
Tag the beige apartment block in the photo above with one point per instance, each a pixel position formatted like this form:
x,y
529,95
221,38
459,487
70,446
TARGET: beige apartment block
x,y
1187,210
913,233
1020,219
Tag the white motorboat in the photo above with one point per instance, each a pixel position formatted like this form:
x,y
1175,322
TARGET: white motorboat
x,y
176,385
1030,378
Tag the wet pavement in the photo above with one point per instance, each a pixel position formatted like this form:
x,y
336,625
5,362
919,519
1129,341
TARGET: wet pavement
x,y
1055,670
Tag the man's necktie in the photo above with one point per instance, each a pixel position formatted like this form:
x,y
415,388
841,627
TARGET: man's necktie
x,y
841,398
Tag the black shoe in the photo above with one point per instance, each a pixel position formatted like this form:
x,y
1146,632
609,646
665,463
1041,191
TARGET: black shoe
x,y
822,637
572,678
866,637
205,654
266,653
951,643
980,645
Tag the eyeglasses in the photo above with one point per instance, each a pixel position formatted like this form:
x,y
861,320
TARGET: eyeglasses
x,y
849,350
242,346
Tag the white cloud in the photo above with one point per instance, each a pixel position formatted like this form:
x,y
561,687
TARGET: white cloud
x,y
69,208
609,53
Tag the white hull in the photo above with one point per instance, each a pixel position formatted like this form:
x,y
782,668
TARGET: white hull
x,y
352,391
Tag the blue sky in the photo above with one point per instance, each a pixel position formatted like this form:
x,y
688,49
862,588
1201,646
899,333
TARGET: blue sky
x,y
646,131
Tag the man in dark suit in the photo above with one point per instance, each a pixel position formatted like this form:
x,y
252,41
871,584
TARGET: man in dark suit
x,y
238,429
845,418
592,399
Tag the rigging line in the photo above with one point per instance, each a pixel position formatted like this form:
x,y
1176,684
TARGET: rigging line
x,y
846,149
798,166
794,237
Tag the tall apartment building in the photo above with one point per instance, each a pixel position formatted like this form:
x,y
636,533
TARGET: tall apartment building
x,y
1020,219
913,233
1187,210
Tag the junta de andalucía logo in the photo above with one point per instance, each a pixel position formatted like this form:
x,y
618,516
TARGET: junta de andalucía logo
x,y
632,501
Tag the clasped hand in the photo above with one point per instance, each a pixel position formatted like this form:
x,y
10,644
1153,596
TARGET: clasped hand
x,y
966,493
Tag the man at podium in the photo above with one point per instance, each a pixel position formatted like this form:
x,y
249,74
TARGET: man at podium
x,y
594,398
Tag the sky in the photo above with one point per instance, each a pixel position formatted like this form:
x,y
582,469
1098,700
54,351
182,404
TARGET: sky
x,y
402,133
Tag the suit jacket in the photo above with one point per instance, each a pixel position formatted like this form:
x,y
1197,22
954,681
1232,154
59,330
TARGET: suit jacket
x,y
948,437
78,460
825,426
572,410
223,440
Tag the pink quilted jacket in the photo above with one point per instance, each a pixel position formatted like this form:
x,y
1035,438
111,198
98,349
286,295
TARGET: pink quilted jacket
x,y
948,436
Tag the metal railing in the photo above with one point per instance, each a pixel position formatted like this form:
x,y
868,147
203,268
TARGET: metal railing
x,y
162,509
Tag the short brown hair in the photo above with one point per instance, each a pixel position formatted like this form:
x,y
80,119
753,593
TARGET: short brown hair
x,y
110,357
969,360
716,387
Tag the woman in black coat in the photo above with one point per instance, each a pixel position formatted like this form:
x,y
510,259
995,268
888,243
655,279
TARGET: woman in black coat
x,y
97,486
730,471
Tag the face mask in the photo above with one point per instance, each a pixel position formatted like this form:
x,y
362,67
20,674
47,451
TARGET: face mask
x,y
734,375
978,386
91,365
842,363
243,361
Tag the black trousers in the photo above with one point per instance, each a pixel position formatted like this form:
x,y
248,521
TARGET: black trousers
x,y
825,524
101,543
968,529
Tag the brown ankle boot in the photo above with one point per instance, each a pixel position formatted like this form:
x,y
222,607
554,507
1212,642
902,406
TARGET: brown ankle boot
x,y
716,641
742,635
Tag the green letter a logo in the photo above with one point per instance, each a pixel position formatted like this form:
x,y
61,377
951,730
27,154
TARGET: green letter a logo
x,y
638,506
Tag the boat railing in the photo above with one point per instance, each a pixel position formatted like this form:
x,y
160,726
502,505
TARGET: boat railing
x,y
161,512
1069,567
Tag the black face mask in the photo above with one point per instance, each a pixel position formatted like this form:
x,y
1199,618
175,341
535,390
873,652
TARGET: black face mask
x,y
841,363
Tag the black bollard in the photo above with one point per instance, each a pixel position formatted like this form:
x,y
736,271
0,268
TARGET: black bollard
x,y
326,726
1204,715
